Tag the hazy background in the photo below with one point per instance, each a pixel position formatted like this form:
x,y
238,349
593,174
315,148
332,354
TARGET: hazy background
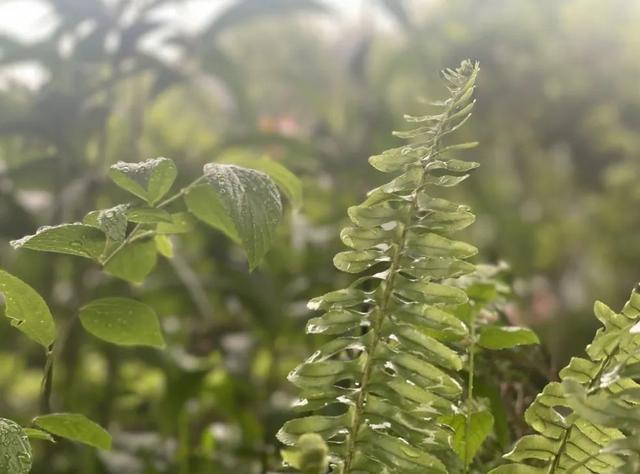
x,y
317,85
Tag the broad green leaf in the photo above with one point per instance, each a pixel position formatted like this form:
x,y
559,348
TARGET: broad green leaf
x,y
15,450
134,261
505,337
467,442
204,203
148,215
34,433
73,239
75,427
247,207
122,321
27,310
150,180
288,182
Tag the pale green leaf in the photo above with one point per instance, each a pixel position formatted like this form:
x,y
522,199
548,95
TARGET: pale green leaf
x,y
204,203
122,321
75,427
34,433
506,337
27,310
72,239
134,261
150,180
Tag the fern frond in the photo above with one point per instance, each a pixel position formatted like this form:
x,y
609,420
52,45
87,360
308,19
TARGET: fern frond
x,y
574,430
379,389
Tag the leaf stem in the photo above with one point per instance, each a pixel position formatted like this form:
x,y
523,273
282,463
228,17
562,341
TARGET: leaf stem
x,y
47,383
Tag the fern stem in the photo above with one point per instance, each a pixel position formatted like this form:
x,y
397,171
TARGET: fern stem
x,y
469,401
380,314
381,310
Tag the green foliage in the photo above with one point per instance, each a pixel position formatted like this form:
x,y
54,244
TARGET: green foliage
x,y
75,427
72,239
15,449
149,180
556,196
581,420
388,372
495,337
243,203
122,321
469,433
125,240
27,310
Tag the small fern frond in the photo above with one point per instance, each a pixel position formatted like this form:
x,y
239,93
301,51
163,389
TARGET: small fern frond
x,y
575,419
379,389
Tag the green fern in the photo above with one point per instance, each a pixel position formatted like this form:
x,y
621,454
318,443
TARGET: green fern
x,y
379,389
583,421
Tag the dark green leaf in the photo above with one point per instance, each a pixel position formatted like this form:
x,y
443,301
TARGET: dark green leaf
x,y
250,201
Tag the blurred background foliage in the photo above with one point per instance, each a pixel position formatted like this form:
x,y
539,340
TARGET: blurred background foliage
x,y
316,85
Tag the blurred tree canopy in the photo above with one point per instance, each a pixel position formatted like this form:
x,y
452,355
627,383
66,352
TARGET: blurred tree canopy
x,y
317,87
